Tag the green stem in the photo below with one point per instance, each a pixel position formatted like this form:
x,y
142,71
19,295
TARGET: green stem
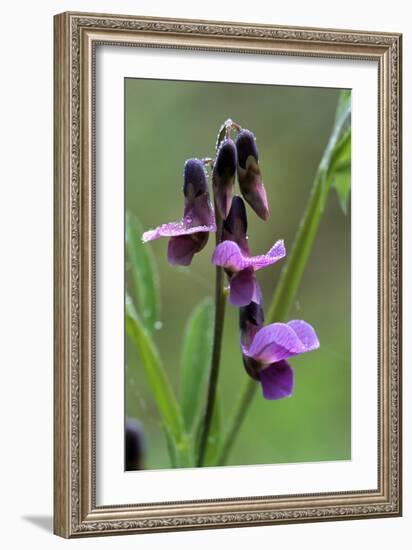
x,y
282,300
242,406
291,275
220,302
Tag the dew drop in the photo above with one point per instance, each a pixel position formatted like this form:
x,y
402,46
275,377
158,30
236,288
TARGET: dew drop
x,y
158,325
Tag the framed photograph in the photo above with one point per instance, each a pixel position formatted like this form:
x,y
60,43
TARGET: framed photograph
x,y
227,274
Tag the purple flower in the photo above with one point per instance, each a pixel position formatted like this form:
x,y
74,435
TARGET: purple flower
x,y
266,349
234,256
190,235
223,176
134,445
248,173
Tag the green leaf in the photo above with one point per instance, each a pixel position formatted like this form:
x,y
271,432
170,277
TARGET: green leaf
x,y
195,361
160,386
338,150
342,183
344,103
340,170
143,273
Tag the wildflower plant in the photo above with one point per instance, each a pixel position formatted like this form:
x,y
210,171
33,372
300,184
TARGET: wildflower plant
x,y
233,178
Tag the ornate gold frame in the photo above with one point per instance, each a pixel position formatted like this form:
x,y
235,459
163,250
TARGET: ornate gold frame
x,y
75,38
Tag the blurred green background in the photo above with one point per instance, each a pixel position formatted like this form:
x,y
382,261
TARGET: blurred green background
x,y
168,122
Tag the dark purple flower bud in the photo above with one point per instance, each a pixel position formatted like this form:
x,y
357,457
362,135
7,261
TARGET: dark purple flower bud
x,y
251,319
224,173
134,445
191,234
235,225
248,173
194,179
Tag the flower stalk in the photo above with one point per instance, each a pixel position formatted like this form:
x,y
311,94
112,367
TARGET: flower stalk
x,y
220,303
219,319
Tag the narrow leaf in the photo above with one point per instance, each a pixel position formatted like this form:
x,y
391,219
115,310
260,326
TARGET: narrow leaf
x,y
340,170
159,384
143,273
195,362
338,148
344,102
342,183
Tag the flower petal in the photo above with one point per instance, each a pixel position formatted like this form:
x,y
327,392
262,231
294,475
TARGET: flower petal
x,y
198,211
282,340
181,249
276,253
194,179
223,176
275,342
249,176
228,255
246,147
277,380
306,334
244,288
175,229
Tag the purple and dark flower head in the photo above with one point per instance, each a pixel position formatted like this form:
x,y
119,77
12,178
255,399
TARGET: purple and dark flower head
x,y
266,349
134,445
234,256
223,176
191,234
248,173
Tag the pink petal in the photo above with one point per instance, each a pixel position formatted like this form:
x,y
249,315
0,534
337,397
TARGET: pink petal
x,y
244,288
275,342
181,249
306,334
277,380
282,340
276,253
228,255
175,229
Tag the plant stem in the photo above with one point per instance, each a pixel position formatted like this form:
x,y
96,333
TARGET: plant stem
x,y
220,302
292,273
242,406
282,301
